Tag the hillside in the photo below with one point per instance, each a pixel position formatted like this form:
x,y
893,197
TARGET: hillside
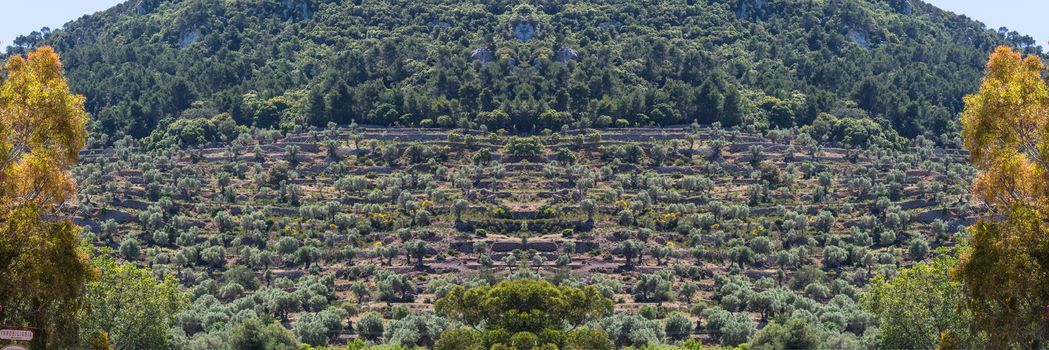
x,y
457,175
732,232
146,64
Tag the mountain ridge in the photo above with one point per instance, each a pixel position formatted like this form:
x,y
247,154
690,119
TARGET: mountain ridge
x,y
901,65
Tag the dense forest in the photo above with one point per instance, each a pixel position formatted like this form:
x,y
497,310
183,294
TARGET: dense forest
x,y
186,70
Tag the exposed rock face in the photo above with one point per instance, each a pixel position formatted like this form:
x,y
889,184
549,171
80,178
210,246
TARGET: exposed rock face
x,y
144,7
482,54
524,31
188,38
566,54
902,6
860,38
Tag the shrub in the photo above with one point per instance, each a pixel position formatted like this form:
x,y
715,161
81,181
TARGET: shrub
x,y
130,249
370,327
796,333
588,339
460,339
524,147
422,330
524,340
311,330
677,327
633,330
254,334
918,249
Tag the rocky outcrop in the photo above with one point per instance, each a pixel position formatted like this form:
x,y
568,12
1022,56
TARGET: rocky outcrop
x,y
566,54
482,54
144,7
902,6
189,37
860,38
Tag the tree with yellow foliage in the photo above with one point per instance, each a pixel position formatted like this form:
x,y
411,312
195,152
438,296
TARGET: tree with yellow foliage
x,y
43,127
43,270
1006,273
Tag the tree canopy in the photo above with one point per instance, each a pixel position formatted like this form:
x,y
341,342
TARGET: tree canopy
x,y
1006,273
42,129
129,307
181,69
42,266
524,305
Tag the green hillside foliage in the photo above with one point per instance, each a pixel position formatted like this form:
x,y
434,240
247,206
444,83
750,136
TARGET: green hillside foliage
x,y
895,65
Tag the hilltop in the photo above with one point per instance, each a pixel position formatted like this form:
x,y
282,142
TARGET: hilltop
x,y
181,69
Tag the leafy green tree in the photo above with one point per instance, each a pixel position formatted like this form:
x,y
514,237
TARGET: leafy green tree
x,y
524,306
460,339
316,328
422,330
652,287
729,328
588,339
129,306
279,302
459,207
677,327
589,207
396,287
524,147
919,307
660,253
918,249
631,330
130,249
256,334
361,291
795,333
629,249
417,249
388,252
370,326
524,340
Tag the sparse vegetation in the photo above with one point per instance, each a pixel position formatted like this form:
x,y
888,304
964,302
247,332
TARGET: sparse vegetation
x,y
680,236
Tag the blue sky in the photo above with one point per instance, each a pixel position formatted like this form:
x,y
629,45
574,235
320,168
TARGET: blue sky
x,y
1024,16
24,16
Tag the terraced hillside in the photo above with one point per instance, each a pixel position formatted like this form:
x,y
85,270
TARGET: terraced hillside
x,y
729,229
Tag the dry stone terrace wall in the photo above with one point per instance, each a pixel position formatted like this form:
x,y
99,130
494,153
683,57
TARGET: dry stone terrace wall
x,y
333,216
